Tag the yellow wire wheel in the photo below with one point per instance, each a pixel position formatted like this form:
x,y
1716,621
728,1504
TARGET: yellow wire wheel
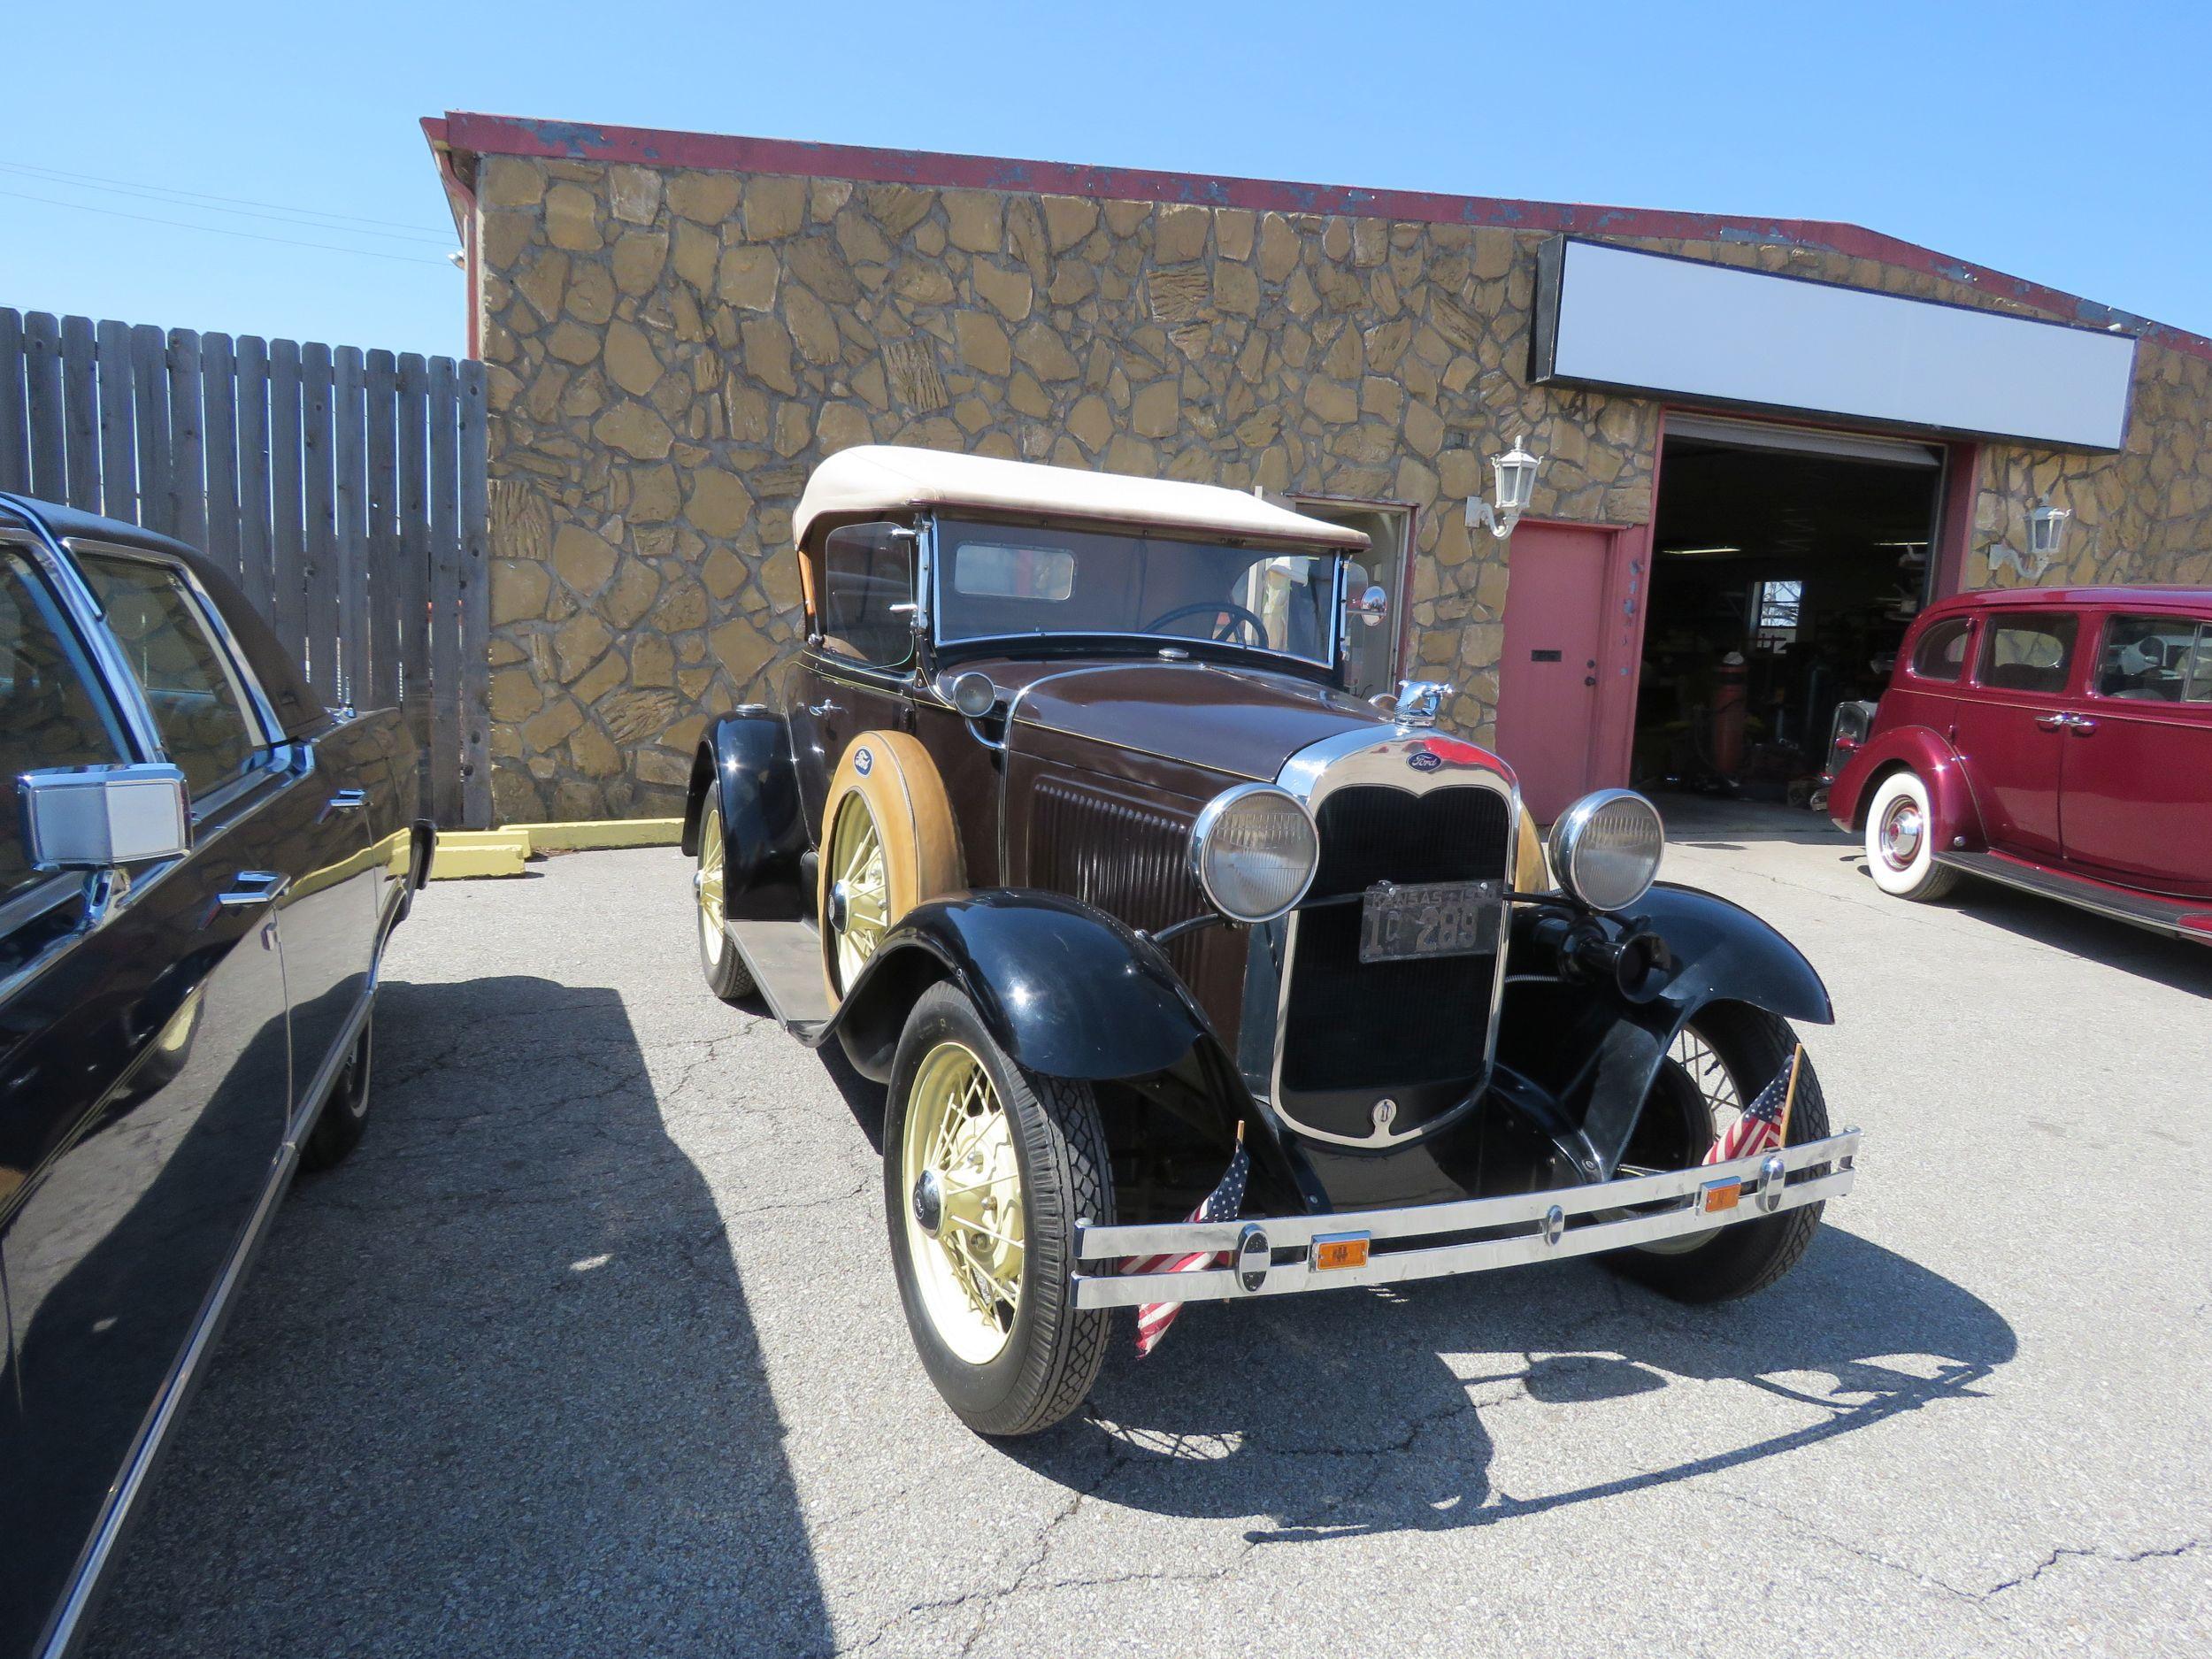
x,y
727,974
967,1229
988,1168
887,845
860,888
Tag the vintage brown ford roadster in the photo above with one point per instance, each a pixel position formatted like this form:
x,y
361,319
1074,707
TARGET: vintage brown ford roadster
x,y
1068,831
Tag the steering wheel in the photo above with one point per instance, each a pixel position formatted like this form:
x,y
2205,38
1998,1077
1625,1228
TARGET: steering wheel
x,y
1236,613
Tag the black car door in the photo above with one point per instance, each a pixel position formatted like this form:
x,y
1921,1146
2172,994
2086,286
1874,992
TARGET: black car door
x,y
145,1075
316,829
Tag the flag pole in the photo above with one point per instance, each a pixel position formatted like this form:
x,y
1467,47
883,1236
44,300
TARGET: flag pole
x,y
1789,1097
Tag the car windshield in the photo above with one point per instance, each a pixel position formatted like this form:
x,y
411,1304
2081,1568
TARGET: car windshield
x,y
999,583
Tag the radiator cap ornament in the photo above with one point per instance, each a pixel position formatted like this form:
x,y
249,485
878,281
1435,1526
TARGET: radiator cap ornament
x,y
1421,700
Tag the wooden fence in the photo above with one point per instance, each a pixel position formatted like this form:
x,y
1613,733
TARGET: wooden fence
x,y
342,489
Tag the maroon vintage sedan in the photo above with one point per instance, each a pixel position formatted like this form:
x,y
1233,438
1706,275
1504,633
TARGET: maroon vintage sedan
x,y
2058,741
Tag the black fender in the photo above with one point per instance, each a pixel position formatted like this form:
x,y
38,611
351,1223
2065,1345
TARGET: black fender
x,y
745,757
1062,987
1721,953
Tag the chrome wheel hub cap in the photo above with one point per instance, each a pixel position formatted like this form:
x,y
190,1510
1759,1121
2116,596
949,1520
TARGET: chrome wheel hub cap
x,y
1901,831
929,1202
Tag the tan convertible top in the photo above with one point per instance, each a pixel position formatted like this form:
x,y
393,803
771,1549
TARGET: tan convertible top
x,y
877,479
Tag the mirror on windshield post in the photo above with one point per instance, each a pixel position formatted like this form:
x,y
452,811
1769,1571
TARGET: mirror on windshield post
x,y
1372,606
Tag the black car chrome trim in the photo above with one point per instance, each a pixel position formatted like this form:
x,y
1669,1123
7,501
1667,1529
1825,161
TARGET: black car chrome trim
x,y
1371,757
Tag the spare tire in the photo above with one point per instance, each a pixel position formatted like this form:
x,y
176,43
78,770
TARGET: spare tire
x,y
888,844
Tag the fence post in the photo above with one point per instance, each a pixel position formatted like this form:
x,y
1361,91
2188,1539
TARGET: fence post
x,y
475,606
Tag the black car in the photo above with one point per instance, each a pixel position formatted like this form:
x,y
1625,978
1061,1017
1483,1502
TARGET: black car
x,y
199,867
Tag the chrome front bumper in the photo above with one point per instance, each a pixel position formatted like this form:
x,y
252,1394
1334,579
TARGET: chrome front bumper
x,y
1276,1255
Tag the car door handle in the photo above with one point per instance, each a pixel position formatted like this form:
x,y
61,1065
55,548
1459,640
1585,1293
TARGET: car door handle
x,y
2080,725
252,887
817,709
2051,722
348,800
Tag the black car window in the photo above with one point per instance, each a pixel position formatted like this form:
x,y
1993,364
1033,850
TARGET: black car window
x,y
197,704
868,592
1941,653
2028,653
2146,659
51,713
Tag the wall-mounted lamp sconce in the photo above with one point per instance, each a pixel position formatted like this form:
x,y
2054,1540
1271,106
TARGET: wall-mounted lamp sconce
x,y
2047,535
1515,474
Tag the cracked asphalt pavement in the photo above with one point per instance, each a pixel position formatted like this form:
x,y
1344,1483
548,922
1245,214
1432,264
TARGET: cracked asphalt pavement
x,y
593,1347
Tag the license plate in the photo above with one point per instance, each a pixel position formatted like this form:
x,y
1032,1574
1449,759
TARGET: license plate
x,y
1435,919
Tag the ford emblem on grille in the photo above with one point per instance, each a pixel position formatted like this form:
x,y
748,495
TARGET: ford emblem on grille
x,y
1421,760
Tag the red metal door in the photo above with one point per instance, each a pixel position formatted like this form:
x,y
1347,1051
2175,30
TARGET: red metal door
x,y
1547,681
2136,784
2011,725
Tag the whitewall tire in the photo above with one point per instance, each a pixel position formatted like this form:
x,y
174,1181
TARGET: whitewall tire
x,y
1901,836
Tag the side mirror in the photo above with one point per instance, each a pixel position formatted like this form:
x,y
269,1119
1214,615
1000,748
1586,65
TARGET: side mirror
x,y
1372,606
99,818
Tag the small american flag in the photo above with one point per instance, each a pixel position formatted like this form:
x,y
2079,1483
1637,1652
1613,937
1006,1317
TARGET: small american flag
x,y
1221,1204
1765,1122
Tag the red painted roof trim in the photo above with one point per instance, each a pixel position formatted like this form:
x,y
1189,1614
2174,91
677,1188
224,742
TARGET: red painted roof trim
x,y
578,140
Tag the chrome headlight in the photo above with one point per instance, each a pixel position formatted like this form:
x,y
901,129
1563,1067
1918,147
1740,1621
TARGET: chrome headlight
x,y
1605,848
1254,850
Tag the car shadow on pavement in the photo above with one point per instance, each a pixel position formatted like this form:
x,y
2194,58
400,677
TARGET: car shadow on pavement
x,y
493,1386
1342,1413
2182,965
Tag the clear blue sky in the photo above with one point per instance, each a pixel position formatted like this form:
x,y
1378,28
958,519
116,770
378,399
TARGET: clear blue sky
x,y
2062,142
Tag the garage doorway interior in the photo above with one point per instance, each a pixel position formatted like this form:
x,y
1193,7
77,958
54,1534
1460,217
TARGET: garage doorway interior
x,y
1786,565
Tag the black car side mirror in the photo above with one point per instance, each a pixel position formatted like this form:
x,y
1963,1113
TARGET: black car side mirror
x,y
103,817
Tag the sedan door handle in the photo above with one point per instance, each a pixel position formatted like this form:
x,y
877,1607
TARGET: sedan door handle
x,y
348,800
251,887
2052,722
2081,725
817,709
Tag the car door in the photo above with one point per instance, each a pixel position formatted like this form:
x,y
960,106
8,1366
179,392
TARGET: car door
x,y
2011,725
853,678
2136,787
144,1091
315,826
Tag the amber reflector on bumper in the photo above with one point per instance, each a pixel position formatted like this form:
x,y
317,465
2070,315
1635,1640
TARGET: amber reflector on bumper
x,y
1345,1249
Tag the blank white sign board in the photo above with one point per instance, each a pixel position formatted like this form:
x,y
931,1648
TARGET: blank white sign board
x,y
1616,317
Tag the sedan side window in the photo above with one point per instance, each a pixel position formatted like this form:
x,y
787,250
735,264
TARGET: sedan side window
x,y
2199,668
2028,653
199,705
2146,659
1941,653
868,594
51,713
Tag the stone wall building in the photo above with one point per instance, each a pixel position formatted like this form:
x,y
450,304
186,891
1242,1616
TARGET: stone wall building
x,y
677,327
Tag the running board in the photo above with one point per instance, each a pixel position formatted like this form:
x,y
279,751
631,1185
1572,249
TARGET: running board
x,y
2177,918
786,961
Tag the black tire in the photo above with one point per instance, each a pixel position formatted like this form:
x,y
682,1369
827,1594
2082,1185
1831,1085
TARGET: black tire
x,y
1754,1047
724,970
1053,1349
345,1112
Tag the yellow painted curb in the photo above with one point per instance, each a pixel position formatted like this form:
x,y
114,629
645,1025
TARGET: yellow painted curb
x,y
591,833
464,855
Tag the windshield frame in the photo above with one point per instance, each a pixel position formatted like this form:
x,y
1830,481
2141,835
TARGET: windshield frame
x,y
936,574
